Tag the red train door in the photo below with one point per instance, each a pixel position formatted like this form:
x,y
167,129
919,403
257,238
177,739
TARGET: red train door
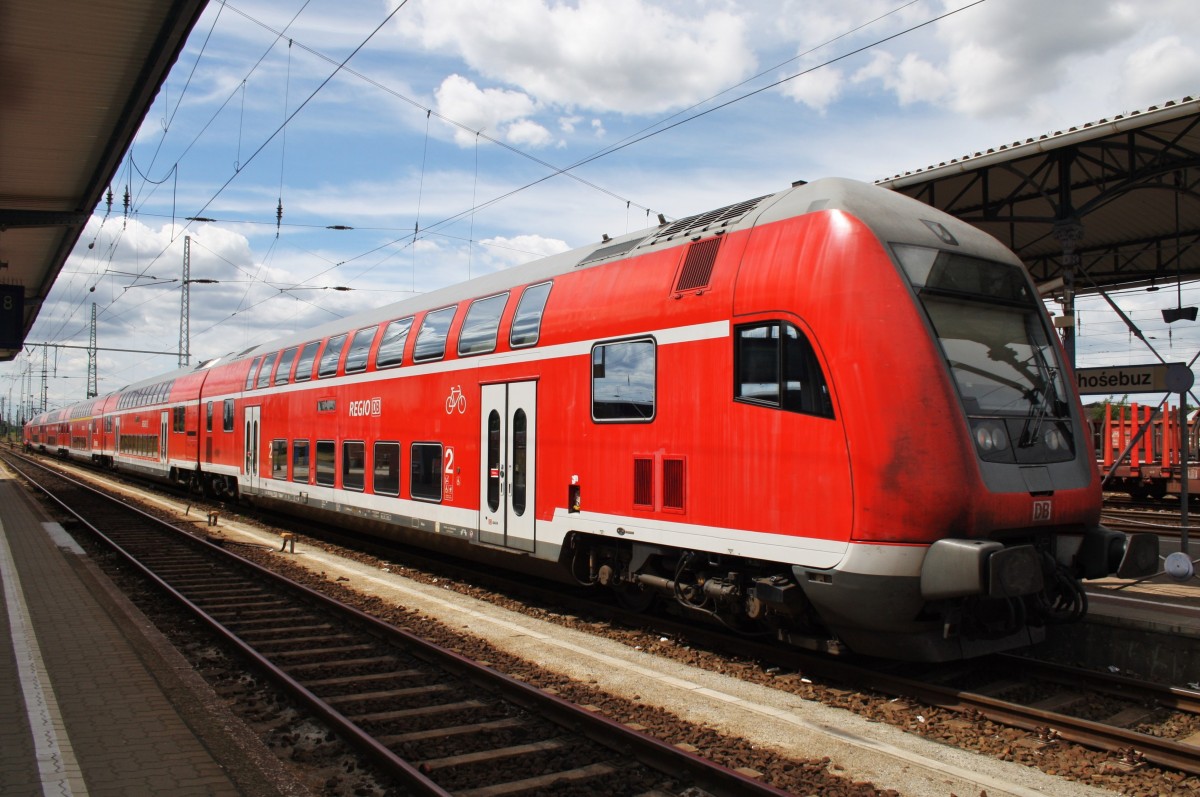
x,y
508,443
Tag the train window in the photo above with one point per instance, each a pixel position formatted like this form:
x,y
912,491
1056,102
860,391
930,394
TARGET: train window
x,y
386,474
360,347
354,464
431,340
527,323
775,365
391,346
520,459
329,358
264,373
425,482
326,452
279,459
479,329
285,366
623,381
178,418
252,373
108,424
304,365
493,460
208,415
300,461
227,416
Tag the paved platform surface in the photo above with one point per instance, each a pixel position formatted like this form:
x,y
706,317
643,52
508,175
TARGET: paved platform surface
x,y
94,701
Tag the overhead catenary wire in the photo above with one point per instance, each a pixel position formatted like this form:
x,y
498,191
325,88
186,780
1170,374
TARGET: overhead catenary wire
x,y
475,205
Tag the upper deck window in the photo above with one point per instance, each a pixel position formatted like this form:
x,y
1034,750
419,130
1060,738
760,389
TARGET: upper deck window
x,y
360,347
391,346
431,340
775,365
329,359
304,365
527,323
478,334
252,373
264,374
285,366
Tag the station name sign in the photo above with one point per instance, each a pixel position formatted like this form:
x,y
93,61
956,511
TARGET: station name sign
x,y
1151,378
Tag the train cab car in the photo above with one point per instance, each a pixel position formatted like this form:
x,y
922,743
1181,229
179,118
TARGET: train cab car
x,y
830,414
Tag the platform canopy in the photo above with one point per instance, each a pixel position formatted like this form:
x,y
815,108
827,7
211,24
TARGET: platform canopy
x,y
1119,194
76,80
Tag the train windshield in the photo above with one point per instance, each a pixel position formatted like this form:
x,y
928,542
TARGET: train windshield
x,y
991,329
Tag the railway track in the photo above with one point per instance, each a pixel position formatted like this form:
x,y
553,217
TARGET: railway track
x,y
1161,521
435,721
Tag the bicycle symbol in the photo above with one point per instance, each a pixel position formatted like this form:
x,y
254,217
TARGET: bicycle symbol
x,y
456,399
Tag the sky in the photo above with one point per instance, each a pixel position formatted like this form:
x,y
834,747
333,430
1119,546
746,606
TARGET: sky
x,y
460,137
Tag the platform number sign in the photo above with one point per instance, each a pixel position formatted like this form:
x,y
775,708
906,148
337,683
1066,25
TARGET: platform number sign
x,y
12,315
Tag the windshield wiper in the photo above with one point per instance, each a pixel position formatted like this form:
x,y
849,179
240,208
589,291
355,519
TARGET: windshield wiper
x,y
1043,400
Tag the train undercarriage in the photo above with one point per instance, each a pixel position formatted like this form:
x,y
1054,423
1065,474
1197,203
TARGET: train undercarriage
x,y
972,597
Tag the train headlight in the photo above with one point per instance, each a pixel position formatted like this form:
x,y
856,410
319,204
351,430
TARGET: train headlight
x,y
991,439
1054,440
990,436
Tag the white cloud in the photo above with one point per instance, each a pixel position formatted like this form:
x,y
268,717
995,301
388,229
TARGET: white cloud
x,y
504,251
486,110
1166,68
527,133
817,89
602,55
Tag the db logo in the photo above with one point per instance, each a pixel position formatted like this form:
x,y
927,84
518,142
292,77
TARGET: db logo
x,y
1042,511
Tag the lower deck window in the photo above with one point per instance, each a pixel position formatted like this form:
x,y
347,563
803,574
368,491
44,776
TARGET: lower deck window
x,y
354,465
386,474
326,454
426,477
300,466
279,459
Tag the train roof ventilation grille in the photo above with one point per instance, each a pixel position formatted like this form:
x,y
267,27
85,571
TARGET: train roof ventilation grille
x,y
721,217
698,265
612,250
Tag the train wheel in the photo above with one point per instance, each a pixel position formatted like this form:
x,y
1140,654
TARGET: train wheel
x,y
634,597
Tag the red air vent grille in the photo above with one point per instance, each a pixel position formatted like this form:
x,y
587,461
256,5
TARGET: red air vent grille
x,y
673,485
698,265
643,482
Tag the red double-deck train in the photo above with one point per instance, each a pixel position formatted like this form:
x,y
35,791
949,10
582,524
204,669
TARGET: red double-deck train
x,y
831,414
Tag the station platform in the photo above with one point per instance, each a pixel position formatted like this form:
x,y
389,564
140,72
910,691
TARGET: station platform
x,y
1148,629
95,701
